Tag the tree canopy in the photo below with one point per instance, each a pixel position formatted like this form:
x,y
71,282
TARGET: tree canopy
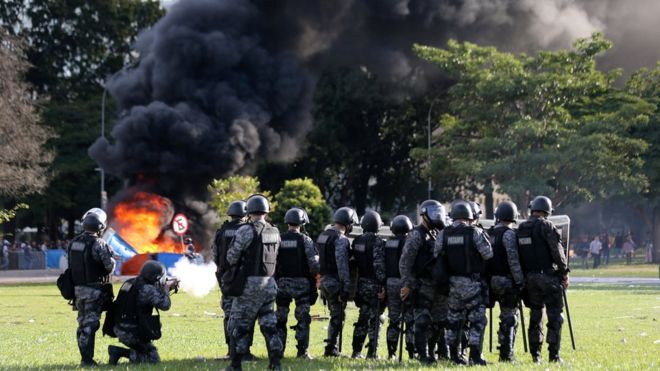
x,y
303,193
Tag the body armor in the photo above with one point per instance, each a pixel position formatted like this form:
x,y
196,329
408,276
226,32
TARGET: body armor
x,y
363,251
261,257
499,264
325,245
532,247
291,257
463,259
424,261
84,269
393,249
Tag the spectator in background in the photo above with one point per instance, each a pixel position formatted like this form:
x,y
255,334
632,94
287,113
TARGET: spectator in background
x,y
594,248
618,244
582,251
27,255
4,256
629,249
649,252
605,252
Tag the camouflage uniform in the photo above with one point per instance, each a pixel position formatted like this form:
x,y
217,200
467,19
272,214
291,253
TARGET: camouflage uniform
x,y
143,351
255,302
369,305
89,298
429,305
543,286
468,295
505,289
219,248
298,289
394,307
332,287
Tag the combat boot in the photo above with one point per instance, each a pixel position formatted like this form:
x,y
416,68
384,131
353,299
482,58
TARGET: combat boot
x,y
235,364
553,350
249,357
506,353
535,351
275,365
443,349
475,356
456,356
115,353
303,354
391,349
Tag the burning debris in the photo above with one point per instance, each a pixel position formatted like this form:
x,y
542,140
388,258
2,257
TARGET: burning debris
x,y
143,219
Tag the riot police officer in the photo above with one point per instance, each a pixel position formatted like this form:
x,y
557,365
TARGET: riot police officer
x,y
397,314
333,247
297,266
237,212
91,263
546,275
367,250
464,248
506,276
134,325
415,266
253,252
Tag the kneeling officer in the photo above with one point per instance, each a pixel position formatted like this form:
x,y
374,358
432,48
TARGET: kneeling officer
x,y
135,326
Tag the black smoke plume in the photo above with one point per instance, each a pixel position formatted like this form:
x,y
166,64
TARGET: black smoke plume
x,y
223,84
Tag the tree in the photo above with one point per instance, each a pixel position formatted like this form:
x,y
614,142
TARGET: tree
x,y
237,187
358,151
645,84
303,193
546,124
23,160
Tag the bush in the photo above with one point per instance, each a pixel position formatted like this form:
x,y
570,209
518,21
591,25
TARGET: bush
x,y
238,187
303,193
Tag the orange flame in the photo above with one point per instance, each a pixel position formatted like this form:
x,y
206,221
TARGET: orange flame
x,y
143,220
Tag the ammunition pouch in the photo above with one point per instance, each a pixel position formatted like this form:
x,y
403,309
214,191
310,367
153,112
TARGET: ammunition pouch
x,y
233,280
65,285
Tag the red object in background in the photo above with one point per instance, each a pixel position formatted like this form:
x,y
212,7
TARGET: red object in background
x,y
132,266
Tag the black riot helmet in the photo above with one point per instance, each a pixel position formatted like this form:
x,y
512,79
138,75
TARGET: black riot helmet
x,y
371,222
296,216
257,204
346,217
506,211
541,203
94,220
237,209
401,224
462,210
434,213
153,271
476,210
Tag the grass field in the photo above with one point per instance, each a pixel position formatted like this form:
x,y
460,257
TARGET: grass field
x,y
616,327
616,268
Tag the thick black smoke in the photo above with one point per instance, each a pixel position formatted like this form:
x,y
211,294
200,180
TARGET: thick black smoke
x,y
223,84
208,98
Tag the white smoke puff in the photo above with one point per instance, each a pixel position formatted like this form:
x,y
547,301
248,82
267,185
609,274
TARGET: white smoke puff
x,y
195,279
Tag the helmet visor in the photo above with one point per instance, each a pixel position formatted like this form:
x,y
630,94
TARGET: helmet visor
x,y
434,213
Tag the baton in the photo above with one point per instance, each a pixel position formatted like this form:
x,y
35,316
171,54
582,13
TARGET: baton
x,y
490,329
403,330
568,315
522,323
341,325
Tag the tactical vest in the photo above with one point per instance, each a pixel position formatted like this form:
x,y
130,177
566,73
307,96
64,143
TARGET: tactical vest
x,y
363,251
292,258
393,249
138,318
425,260
262,254
498,265
532,247
463,259
223,239
84,269
325,245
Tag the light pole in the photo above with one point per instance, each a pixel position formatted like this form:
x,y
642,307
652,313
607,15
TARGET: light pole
x,y
428,148
104,196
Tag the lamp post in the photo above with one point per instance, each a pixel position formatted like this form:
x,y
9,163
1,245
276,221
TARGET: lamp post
x,y
104,196
428,148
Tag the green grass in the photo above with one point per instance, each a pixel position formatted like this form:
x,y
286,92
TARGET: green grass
x,y
616,268
616,327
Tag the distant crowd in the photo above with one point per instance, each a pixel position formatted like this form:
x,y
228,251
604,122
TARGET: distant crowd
x,y
28,248
600,248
